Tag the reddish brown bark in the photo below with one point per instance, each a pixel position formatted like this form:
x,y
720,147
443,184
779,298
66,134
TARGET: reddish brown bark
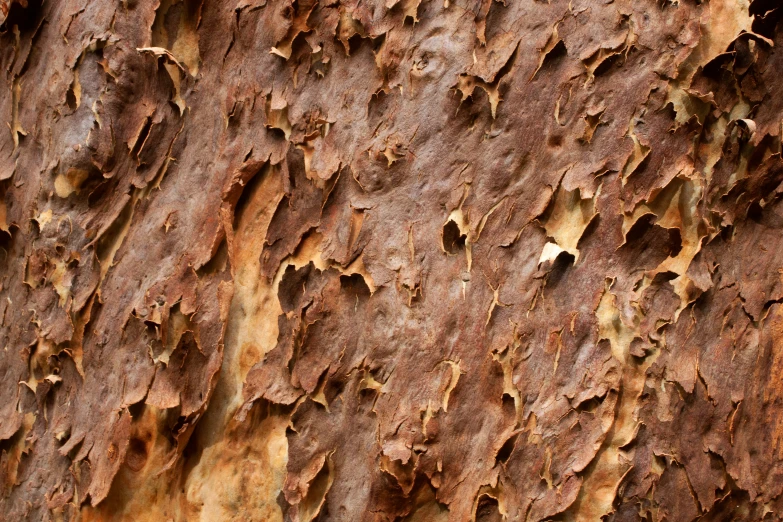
x,y
401,260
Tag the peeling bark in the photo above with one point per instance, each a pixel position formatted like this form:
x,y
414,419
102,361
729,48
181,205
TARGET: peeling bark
x,y
400,260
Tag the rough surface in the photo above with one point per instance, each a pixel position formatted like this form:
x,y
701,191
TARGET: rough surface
x,y
391,260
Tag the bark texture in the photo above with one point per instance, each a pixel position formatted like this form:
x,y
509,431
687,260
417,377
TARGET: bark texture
x,y
391,260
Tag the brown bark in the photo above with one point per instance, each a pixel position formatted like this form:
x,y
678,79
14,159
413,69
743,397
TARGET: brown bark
x,y
391,260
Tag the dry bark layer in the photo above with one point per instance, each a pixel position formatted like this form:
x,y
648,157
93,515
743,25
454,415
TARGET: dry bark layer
x,y
393,260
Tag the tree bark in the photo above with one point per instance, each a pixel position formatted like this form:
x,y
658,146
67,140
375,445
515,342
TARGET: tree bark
x,y
408,260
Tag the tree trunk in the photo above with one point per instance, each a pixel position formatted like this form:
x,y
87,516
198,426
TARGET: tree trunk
x,y
409,260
